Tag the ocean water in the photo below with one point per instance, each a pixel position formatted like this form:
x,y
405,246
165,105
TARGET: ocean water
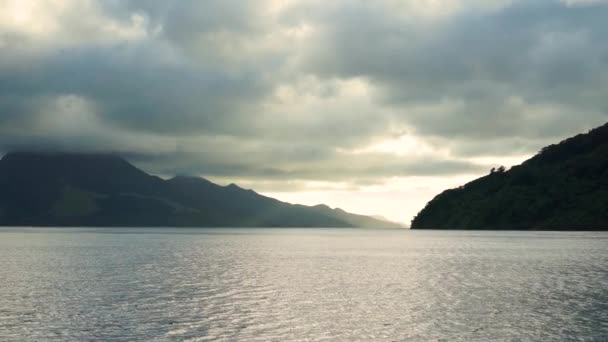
x,y
301,285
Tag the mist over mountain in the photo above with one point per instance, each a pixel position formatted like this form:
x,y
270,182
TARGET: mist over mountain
x,y
79,189
564,187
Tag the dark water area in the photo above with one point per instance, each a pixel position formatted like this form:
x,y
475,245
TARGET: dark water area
x,y
119,284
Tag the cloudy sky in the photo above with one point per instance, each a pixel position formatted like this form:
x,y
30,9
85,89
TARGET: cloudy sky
x,y
374,106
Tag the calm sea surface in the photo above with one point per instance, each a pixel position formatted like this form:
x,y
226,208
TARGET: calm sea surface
x,y
302,285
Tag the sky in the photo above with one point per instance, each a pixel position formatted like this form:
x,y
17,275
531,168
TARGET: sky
x,y
373,106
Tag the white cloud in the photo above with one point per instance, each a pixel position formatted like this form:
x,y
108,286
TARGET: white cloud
x,y
64,23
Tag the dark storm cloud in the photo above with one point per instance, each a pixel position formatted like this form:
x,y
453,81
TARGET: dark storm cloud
x,y
244,89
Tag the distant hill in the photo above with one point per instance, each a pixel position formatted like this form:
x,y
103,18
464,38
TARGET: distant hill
x,y
73,189
564,187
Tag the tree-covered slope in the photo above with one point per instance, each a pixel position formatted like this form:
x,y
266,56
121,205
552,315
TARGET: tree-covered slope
x,y
74,189
564,187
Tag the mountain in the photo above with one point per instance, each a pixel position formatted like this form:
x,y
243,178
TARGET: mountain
x,y
77,189
564,187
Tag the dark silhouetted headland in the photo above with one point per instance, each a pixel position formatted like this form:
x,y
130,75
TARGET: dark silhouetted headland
x,y
564,187
74,189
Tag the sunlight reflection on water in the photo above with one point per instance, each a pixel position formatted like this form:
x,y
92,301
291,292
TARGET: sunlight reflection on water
x,y
299,284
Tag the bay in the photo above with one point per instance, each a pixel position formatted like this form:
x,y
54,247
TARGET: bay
x,y
170,284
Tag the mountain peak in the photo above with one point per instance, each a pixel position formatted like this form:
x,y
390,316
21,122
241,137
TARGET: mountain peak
x,y
322,206
103,189
189,179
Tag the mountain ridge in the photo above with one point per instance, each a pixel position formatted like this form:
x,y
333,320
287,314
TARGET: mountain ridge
x,y
103,189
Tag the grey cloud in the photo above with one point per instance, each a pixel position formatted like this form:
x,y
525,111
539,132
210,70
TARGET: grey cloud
x,y
267,163
545,52
198,91
132,87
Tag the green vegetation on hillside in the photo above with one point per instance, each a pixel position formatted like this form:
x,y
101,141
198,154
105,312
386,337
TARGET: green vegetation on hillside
x,y
75,202
564,187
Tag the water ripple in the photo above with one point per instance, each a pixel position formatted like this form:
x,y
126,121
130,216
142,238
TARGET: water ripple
x,y
302,285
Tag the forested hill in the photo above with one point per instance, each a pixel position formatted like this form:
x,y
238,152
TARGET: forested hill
x,y
564,187
75,189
